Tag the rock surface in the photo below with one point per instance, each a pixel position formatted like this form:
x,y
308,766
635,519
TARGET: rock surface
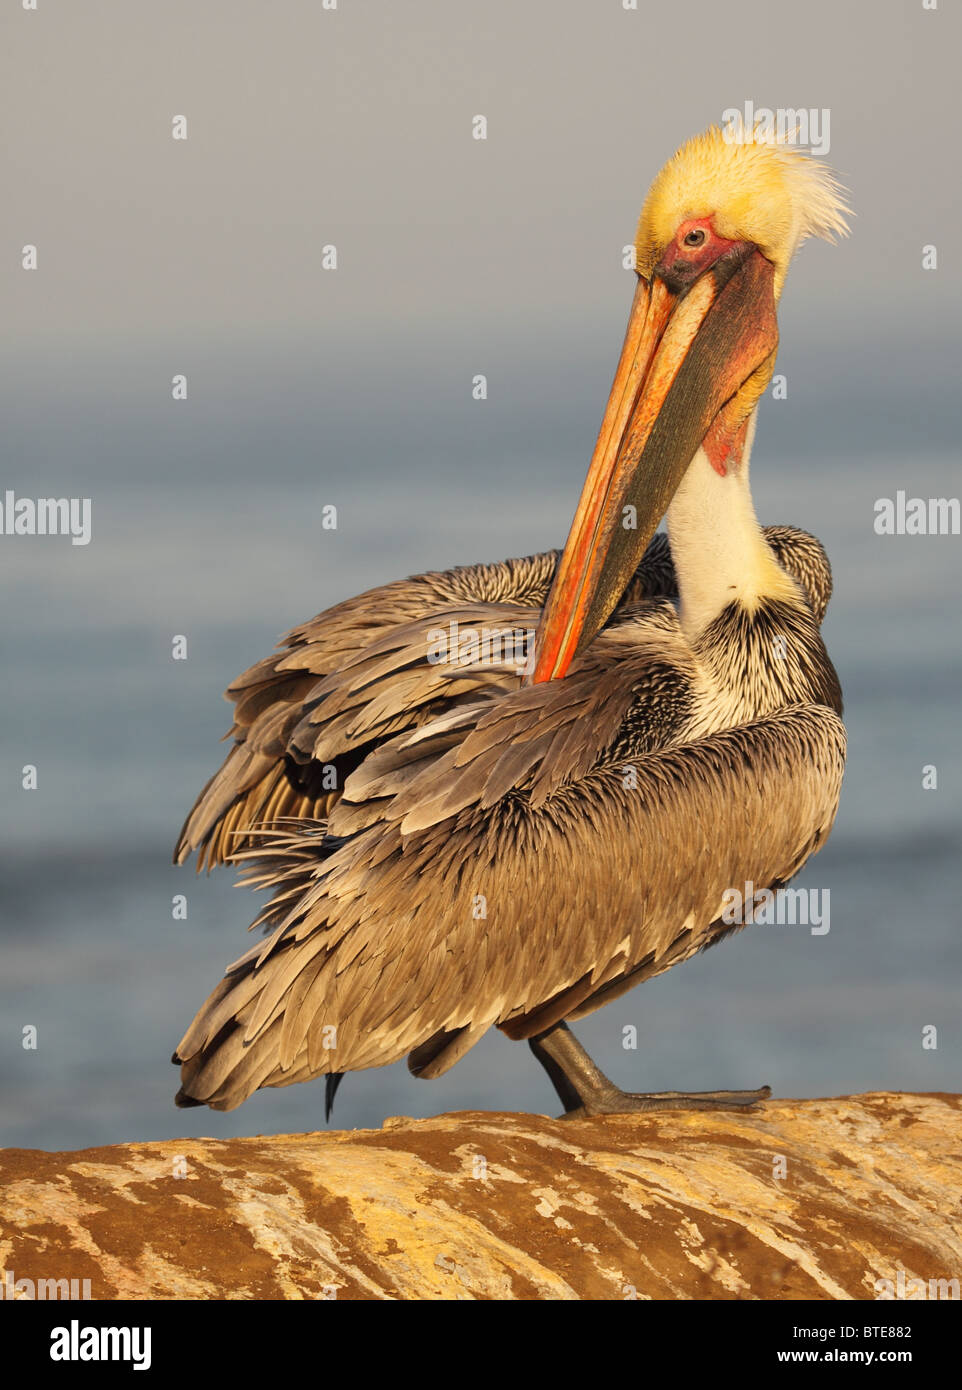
x,y
797,1199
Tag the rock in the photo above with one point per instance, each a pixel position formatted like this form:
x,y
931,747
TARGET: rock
x,y
797,1199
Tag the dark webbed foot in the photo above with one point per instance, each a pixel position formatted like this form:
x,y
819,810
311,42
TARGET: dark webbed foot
x,y
584,1090
616,1102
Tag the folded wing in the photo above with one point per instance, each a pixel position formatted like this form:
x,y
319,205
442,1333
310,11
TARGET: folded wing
x,y
306,717
505,864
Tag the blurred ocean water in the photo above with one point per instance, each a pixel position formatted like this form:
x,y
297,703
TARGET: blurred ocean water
x,y
123,737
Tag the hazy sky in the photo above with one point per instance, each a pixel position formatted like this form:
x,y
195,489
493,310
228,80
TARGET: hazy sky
x,y
353,127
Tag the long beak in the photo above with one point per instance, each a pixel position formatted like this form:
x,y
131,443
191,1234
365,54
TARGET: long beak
x,y
685,355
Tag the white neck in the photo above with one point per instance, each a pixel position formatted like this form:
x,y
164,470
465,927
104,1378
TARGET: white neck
x,y
717,546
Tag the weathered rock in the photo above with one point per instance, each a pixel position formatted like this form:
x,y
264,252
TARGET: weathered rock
x,y
799,1199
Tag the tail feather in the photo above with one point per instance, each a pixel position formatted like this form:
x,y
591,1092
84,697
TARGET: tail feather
x,y
331,1083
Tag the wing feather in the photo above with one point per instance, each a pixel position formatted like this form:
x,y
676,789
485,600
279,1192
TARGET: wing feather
x,y
599,886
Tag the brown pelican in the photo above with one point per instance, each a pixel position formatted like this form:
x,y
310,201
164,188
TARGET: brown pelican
x,y
456,841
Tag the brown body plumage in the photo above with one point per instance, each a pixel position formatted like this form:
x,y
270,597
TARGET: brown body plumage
x,y
535,799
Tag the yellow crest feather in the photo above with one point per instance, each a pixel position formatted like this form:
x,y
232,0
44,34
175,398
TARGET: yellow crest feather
x,y
755,187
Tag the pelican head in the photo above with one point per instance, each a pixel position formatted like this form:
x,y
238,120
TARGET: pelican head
x,y
715,238
750,188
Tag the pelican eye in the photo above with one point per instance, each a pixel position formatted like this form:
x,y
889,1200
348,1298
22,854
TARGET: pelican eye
x,y
695,238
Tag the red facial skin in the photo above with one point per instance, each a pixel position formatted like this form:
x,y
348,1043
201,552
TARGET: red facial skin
x,y
683,265
689,262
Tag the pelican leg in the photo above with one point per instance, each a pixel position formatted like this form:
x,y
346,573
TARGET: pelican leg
x,y
584,1090
567,1094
